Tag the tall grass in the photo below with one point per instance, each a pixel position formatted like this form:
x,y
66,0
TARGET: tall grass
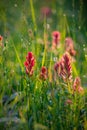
x,y
29,102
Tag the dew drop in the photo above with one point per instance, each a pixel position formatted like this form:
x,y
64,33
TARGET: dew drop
x,y
73,15
29,43
55,58
79,27
84,49
28,85
15,5
48,26
83,45
84,76
64,15
21,39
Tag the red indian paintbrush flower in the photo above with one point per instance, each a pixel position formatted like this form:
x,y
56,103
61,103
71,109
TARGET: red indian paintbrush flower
x,y
46,11
56,38
67,65
43,73
69,46
29,63
77,85
1,38
63,67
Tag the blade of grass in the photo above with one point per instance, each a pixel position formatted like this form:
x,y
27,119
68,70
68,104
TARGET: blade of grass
x,y
17,55
33,15
74,70
34,23
44,55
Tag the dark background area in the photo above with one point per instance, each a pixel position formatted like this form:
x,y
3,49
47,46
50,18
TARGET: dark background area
x,y
11,11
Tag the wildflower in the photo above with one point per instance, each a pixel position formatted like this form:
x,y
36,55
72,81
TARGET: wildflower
x,y
77,85
43,73
77,82
1,39
56,66
63,67
80,89
29,63
69,46
46,11
56,38
67,65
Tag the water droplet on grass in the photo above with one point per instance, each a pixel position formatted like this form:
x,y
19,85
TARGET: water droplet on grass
x,y
84,76
84,49
29,43
73,15
15,5
55,58
83,45
64,15
21,39
28,85
48,26
79,27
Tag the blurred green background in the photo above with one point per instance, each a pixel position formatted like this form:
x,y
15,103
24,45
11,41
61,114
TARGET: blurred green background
x,y
14,12
67,16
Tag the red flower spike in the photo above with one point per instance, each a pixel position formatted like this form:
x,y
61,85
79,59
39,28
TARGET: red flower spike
x,y
63,67
69,42
80,89
43,73
69,46
46,11
29,63
1,38
56,38
56,66
67,65
77,85
26,64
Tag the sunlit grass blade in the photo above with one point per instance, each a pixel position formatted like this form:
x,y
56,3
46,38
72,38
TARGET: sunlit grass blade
x,y
33,15
45,46
75,70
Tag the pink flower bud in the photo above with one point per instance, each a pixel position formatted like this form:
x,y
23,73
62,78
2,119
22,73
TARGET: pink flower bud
x,y
69,46
56,38
46,11
43,73
77,85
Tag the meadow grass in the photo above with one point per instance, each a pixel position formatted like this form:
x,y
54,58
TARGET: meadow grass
x,y
43,100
